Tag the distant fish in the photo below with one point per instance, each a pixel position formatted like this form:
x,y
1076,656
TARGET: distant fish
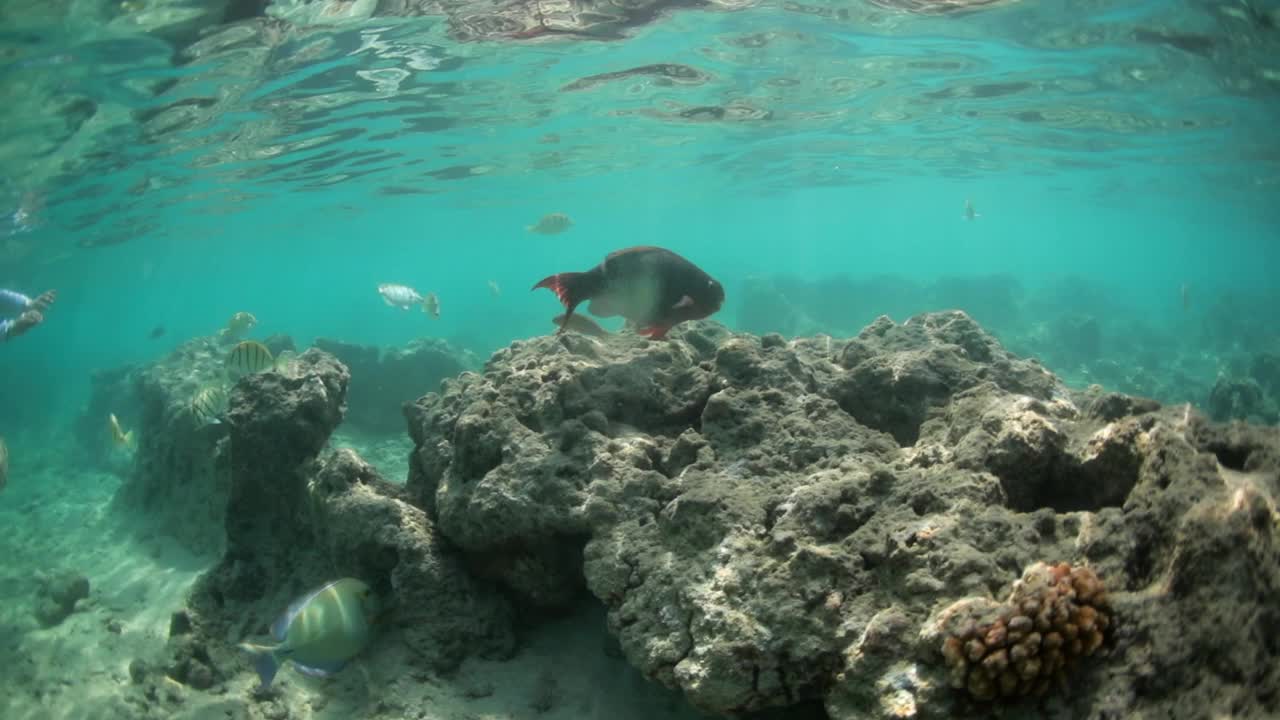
x,y
118,435
552,224
209,404
249,357
969,212
320,631
494,290
1185,292
156,332
651,286
581,324
238,326
4,464
431,305
404,297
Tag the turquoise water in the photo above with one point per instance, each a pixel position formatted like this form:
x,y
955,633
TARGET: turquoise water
x,y
1122,157
289,182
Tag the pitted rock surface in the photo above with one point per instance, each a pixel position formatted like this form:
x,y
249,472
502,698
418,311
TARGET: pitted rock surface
x,y
771,522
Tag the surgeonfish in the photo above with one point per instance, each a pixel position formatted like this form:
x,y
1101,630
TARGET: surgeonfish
x,y
320,631
651,286
118,435
405,297
551,224
249,357
4,464
581,324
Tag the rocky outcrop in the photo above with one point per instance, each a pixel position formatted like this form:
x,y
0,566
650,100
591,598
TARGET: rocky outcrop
x,y
775,524
297,517
178,481
384,380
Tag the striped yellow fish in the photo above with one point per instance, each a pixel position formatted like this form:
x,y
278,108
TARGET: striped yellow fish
x,y
208,404
249,357
4,464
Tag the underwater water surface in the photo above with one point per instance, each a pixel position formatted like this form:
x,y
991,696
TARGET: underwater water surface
x,y
1095,183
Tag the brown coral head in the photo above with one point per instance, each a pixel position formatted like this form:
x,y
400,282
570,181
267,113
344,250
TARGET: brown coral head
x,y
1055,615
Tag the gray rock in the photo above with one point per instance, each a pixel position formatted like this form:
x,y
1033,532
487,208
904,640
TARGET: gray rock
x,y
773,524
297,518
57,595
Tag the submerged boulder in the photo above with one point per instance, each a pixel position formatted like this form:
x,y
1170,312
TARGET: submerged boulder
x,y
298,516
775,524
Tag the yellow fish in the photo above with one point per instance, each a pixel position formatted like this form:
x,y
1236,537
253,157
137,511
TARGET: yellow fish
x,y
552,224
118,435
320,631
238,326
4,464
208,404
249,357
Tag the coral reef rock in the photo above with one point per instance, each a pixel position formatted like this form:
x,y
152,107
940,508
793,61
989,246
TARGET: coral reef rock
x,y
771,523
297,517
381,382
58,594
179,480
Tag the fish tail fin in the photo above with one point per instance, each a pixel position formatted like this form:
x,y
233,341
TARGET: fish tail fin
x,y
571,287
426,306
264,662
128,439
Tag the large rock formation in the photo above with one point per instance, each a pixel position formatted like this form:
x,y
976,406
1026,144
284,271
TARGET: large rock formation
x,y
297,517
776,524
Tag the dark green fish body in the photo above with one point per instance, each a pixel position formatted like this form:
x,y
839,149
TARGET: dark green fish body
x,y
650,286
4,464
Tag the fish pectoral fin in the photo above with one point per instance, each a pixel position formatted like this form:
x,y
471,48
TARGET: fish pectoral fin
x,y
684,302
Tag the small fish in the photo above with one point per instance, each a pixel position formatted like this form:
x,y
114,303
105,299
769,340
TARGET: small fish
x,y
494,290
249,357
969,212
209,404
1185,292
431,305
157,332
320,631
238,326
4,464
552,224
286,362
581,324
118,435
651,286
404,297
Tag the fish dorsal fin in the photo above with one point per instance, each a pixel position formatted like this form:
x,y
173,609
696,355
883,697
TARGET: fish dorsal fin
x,y
281,626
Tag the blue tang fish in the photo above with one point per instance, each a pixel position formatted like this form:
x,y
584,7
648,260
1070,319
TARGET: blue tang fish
x,y
320,631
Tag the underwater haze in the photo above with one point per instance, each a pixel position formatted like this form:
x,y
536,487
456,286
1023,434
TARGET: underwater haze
x,y
1094,183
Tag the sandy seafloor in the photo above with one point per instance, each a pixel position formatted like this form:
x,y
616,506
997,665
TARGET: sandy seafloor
x,y
58,516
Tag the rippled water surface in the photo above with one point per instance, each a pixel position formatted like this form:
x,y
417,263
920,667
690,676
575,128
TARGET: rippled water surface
x,y
172,162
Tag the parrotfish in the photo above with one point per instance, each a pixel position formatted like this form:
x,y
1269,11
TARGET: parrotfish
x,y
320,631
652,287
